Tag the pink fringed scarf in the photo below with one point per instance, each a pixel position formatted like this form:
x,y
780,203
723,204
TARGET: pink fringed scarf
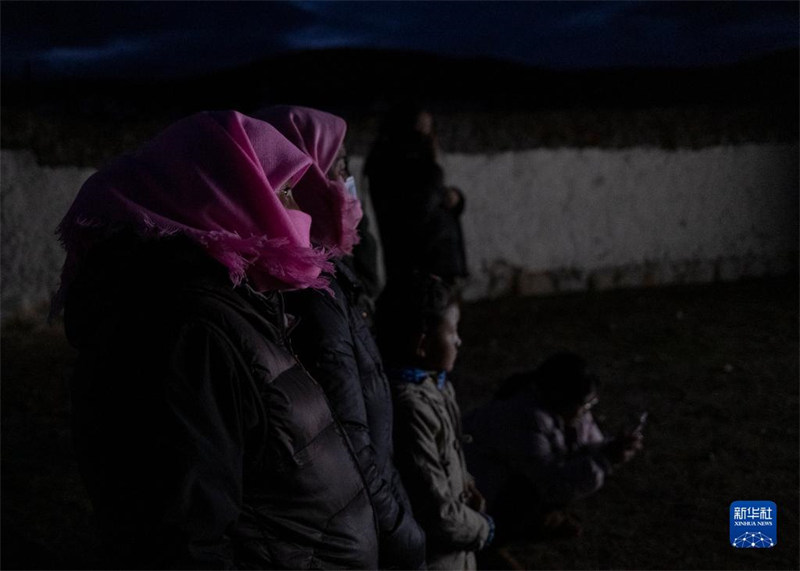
x,y
335,213
212,177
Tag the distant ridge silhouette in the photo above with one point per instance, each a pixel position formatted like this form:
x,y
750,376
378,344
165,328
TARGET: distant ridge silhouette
x,y
481,105
351,79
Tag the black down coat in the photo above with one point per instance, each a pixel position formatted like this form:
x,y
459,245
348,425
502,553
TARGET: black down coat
x,y
203,443
334,343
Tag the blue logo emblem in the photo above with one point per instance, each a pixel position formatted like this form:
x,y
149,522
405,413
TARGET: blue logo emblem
x,y
754,524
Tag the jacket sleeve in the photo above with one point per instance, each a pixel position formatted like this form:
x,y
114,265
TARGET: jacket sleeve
x,y
206,436
446,519
325,346
561,477
589,434
160,449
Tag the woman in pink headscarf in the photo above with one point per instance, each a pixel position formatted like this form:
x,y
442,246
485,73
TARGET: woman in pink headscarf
x,y
332,338
202,442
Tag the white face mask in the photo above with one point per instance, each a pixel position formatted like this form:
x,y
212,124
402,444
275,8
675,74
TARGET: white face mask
x,y
350,184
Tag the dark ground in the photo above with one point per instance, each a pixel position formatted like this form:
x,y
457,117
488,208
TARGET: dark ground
x,y
716,366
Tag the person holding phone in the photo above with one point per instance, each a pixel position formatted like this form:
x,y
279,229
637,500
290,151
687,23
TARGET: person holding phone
x,y
536,446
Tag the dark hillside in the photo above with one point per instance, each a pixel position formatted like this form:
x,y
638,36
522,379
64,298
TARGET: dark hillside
x,y
483,105
368,79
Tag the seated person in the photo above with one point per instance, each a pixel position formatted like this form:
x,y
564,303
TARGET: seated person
x,y
417,326
536,448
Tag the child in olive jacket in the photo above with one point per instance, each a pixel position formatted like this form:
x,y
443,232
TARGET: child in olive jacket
x,y
417,327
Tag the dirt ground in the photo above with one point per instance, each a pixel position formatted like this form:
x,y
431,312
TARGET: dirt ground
x,y
716,366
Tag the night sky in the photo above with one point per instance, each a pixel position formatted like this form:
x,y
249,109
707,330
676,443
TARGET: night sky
x,y
169,39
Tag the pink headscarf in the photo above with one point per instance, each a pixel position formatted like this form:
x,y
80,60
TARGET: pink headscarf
x,y
213,177
335,213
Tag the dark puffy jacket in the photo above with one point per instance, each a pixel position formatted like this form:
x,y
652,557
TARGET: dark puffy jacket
x,y
202,442
333,341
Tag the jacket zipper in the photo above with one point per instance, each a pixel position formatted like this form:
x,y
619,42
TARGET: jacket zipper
x,y
334,415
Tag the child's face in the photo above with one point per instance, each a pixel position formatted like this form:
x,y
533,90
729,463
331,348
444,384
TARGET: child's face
x,y
441,345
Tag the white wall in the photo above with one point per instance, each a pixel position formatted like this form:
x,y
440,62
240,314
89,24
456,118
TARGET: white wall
x,y
33,201
536,221
554,220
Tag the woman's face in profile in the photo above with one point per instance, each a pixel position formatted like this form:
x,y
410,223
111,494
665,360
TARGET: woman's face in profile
x,y
284,194
339,170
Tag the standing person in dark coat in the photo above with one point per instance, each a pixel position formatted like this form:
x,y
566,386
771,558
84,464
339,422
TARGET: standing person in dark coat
x,y
202,442
418,215
332,338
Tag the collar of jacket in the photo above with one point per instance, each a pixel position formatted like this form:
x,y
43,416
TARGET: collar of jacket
x,y
269,307
417,376
347,278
